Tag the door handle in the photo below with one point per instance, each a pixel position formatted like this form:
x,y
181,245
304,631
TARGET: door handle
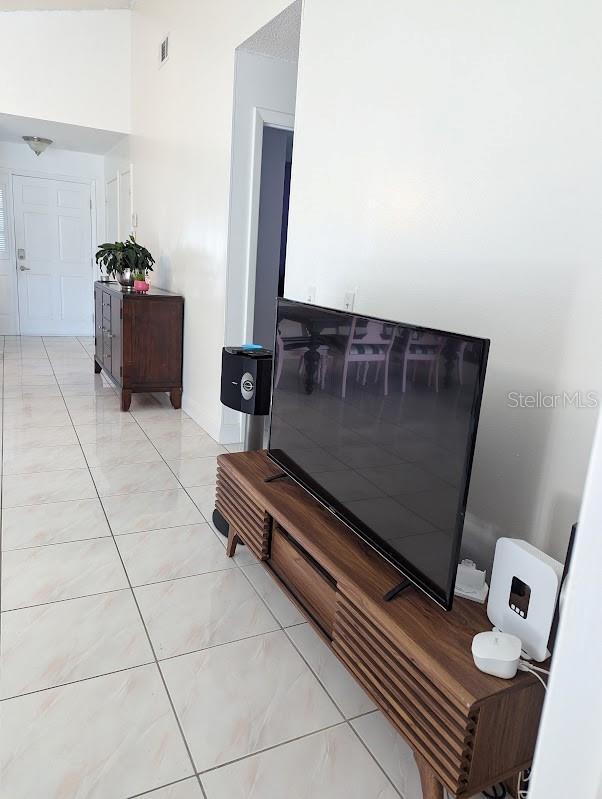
x,y
24,268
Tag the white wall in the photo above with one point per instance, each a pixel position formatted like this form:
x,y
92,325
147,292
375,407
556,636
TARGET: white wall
x,y
447,164
19,159
182,121
67,66
117,158
567,759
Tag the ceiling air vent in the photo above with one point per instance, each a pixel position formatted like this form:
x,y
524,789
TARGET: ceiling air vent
x,y
164,51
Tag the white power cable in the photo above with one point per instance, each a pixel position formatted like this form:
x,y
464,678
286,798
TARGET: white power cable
x,y
534,668
522,793
524,665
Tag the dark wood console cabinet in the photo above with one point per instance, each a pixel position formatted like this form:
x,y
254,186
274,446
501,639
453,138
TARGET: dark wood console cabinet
x,y
468,730
138,340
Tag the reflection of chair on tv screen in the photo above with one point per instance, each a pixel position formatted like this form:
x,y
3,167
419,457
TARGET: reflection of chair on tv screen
x,y
368,344
423,348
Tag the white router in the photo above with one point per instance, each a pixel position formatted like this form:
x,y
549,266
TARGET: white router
x,y
523,593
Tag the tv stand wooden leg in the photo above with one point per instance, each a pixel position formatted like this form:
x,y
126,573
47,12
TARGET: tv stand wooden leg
x,y
431,787
175,397
233,540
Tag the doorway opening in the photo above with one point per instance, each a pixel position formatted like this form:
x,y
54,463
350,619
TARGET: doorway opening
x,y
272,230
265,88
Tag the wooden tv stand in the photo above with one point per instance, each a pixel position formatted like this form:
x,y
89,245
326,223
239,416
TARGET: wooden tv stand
x,y
468,730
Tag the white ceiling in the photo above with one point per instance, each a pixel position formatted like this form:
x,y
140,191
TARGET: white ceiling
x,y
65,137
61,5
280,37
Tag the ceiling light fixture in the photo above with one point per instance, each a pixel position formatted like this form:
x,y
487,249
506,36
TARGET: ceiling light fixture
x,y
37,144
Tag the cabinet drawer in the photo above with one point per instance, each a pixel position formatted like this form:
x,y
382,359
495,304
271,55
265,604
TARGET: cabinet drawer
x,y
106,305
304,578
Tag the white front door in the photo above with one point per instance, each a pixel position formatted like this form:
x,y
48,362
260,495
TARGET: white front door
x,y
9,323
53,238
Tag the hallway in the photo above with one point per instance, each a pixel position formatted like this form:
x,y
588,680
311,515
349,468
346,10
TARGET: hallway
x,y
110,687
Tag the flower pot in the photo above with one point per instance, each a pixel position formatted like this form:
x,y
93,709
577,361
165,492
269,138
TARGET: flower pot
x,y
141,286
126,280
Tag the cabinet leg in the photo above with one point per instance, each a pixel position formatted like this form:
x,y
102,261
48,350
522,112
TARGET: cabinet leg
x,y
232,542
431,787
175,396
97,367
126,399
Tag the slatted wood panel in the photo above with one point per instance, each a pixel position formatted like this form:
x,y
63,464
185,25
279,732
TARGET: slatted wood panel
x,y
250,522
441,730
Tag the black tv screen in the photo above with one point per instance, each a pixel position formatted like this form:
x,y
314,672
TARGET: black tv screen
x,y
378,420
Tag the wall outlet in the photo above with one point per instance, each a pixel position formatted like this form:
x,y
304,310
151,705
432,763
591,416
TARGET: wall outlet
x,y
349,300
311,294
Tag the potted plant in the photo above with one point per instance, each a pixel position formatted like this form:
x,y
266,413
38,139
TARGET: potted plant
x,y
141,285
124,259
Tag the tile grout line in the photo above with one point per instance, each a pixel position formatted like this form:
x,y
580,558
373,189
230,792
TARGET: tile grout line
x,y
261,751
80,679
65,599
272,747
133,594
370,753
160,788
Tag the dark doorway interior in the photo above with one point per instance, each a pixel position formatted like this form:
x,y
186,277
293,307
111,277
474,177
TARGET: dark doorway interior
x,y
274,193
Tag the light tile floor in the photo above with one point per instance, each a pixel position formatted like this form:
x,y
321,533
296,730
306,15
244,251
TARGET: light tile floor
x,y
136,659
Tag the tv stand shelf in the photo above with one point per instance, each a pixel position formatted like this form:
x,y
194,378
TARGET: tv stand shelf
x,y
468,730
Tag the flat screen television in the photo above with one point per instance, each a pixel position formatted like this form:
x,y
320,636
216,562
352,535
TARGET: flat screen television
x,y
378,420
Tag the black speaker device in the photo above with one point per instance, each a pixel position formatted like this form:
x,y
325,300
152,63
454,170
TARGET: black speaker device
x,y
247,379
